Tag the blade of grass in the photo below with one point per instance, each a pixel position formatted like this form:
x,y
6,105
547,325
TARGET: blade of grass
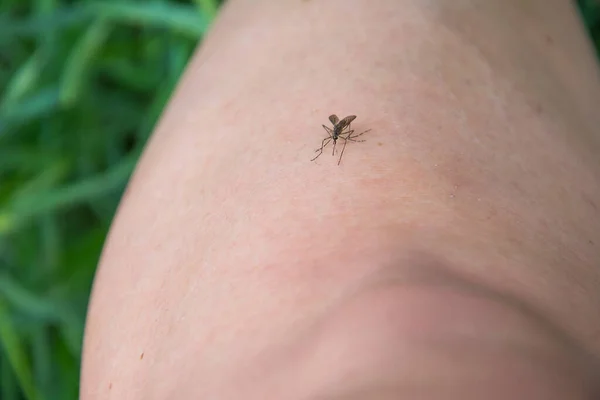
x,y
24,79
45,7
23,158
77,267
176,17
36,205
72,334
51,242
67,370
161,98
46,179
14,348
8,385
39,25
128,74
42,365
208,7
28,303
177,58
33,107
44,310
80,61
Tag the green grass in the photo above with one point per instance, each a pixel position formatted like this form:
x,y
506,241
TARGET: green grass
x,y
82,85
590,10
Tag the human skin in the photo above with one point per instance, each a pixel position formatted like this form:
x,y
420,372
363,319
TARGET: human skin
x,y
452,255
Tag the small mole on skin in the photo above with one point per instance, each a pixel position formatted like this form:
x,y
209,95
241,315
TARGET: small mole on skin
x,y
109,385
379,144
549,39
141,356
468,82
538,109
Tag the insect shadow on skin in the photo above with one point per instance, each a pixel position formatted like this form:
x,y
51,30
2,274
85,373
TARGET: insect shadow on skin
x,y
341,130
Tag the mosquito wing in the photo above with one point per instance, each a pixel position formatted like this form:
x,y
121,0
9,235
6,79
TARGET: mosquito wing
x,y
345,122
334,119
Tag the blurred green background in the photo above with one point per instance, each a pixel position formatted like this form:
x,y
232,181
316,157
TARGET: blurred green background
x,y
82,85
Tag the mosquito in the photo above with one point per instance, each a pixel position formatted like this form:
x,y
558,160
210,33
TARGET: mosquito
x,y
340,128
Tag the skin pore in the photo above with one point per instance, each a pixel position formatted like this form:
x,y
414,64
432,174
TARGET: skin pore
x,y
452,255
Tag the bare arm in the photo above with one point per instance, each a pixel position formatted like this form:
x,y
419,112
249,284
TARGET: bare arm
x,y
452,255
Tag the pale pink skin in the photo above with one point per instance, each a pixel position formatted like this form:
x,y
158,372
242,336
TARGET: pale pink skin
x,y
453,255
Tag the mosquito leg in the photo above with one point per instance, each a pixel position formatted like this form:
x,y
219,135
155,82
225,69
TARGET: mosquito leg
x,y
347,131
348,134
329,131
324,143
343,148
360,134
353,138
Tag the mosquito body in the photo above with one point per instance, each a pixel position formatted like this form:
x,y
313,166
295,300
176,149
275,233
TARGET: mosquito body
x,y
341,130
